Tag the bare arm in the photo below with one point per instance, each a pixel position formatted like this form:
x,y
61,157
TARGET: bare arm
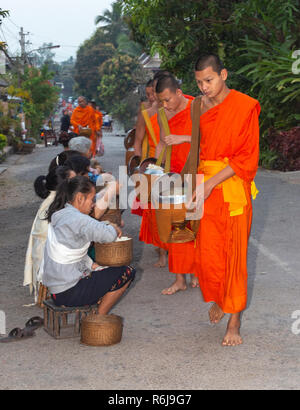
x,y
217,179
140,130
103,202
177,139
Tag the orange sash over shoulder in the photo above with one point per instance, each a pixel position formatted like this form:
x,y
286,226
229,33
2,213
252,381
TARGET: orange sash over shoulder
x,y
153,142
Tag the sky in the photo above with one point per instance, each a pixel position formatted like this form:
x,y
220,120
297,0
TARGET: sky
x,y
67,23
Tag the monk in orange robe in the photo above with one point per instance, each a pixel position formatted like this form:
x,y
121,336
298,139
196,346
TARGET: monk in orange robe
x,y
229,153
99,122
149,231
142,137
141,128
84,116
178,111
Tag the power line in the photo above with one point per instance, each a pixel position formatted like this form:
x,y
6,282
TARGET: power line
x,y
10,20
9,32
6,42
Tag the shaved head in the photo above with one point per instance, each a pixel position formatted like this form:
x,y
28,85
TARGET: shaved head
x,y
160,73
167,82
209,60
82,101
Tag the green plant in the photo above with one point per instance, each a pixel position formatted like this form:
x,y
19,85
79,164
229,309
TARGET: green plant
x,y
6,127
3,141
273,82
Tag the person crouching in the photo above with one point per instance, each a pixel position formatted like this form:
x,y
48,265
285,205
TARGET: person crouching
x,y
70,274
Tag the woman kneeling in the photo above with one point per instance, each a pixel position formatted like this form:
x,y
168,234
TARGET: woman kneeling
x,y
70,274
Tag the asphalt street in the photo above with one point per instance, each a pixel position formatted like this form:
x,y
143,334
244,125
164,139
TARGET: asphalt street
x,y
168,341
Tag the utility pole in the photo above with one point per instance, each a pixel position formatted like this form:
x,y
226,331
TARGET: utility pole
x,y
23,47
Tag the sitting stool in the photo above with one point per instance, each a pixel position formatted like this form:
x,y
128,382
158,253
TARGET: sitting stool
x,y
57,319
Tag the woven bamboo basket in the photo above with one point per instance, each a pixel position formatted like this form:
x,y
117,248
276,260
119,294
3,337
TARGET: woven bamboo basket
x,y
99,330
114,253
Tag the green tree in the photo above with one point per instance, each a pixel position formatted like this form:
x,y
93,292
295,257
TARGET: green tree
x,y
38,94
65,75
94,52
255,39
179,31
3,14
119,80
43,55
113,22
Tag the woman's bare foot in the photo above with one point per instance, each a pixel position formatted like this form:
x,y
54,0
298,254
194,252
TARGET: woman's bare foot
x,y
178,285
215,313
162,261
232,336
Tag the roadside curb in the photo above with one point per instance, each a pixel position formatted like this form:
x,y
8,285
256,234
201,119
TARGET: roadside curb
x,y
7,151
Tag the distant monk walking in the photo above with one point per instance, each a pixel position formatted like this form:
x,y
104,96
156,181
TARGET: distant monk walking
x,y
84,116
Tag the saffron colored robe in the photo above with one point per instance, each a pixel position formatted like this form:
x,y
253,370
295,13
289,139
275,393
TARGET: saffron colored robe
x,y
230,132
148,231
181,255
86,117
99,119
138,209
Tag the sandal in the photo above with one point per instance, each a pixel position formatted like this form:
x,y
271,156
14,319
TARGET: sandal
x,y
18,334
34,323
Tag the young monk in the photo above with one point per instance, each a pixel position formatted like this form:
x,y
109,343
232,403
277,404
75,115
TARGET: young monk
x,y
142,136
84,116
151,106
148,231
229,152
178,111
140,128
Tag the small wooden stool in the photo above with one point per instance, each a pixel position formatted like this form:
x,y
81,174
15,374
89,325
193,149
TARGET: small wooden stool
x,y
57,319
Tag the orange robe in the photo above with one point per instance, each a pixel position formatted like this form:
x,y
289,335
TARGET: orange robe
x,y
181,255
229,130
138,208
149,232
99,119
86,118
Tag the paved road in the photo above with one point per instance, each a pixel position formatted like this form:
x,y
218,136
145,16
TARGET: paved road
x,y
168,342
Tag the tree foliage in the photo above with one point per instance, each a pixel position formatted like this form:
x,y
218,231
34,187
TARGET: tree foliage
x,y
255,38
38,94
94,52
107,68
113,23
3,14
119,80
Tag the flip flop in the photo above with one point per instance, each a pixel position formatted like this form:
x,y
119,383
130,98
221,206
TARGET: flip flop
x,y
17,335
34,323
